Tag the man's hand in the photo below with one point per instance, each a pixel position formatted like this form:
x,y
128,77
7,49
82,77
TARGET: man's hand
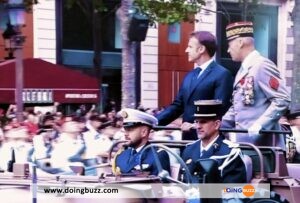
x,y
254,129
187,126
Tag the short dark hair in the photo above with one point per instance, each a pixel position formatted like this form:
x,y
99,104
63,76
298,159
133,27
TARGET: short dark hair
x,y
48,117
206,39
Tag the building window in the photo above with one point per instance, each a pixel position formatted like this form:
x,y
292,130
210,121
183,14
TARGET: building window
x,y
265,23
77,32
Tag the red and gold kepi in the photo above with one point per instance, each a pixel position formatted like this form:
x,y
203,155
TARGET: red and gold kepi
x,y
239,29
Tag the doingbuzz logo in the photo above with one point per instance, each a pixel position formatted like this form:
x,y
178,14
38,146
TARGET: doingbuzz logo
x,y
247,190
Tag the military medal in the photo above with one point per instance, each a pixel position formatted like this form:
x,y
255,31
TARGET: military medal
x,y
188,161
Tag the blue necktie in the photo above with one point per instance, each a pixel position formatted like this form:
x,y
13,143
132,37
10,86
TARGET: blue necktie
x,y
197,72
132,155
202,152
195,77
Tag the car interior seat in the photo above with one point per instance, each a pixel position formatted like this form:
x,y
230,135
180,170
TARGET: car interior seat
x,y
175,170
249,167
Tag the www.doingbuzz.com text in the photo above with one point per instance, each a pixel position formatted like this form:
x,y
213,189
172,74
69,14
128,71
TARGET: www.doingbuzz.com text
x,y
78,190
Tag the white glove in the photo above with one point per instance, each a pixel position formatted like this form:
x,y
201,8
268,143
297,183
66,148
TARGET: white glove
x,y
254,129
186,126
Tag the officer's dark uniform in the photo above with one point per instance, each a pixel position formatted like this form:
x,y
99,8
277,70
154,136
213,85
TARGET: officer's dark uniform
x,y
231,168
233,172
130,160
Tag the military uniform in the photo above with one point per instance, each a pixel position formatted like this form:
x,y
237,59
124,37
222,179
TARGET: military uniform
x,y
228,156
96,145
15,149
130,162
260,96
65,152
136,156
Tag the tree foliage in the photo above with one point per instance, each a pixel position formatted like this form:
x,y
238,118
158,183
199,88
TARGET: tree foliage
x,y
161,11
169,11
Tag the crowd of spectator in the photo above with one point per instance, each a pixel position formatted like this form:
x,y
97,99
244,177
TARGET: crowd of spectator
x,y
55,141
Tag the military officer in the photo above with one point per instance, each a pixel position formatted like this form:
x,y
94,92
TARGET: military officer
x,y
137,125
260,96
212,145
15,148
97,144
67,151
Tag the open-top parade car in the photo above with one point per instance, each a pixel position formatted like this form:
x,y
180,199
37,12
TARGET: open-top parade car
x,y
265,165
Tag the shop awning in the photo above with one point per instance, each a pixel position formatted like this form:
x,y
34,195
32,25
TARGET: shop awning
x,y
45,82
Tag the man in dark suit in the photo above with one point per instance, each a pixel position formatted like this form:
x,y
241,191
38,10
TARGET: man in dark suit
x,y
208,80
212,145
135,156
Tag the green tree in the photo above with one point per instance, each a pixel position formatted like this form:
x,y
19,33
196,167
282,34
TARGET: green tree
x,y
157,11
170,11
160,11
128,59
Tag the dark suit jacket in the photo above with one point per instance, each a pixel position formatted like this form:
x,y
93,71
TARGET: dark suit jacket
x,y
128,162
215,82
235,172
